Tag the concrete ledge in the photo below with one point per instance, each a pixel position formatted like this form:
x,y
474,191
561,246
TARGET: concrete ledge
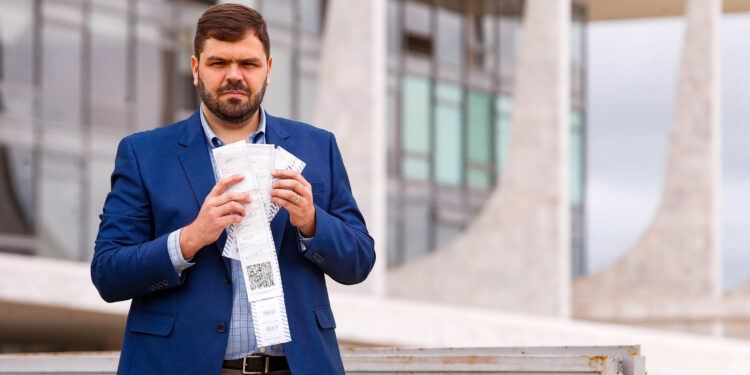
x,y
566,360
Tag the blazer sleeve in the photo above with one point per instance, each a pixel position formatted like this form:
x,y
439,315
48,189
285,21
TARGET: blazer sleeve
x,y
341,247
128,259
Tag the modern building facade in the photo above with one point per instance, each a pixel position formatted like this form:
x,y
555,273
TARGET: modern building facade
x,y
76,76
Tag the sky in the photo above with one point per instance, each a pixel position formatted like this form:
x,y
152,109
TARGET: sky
x,y
633,68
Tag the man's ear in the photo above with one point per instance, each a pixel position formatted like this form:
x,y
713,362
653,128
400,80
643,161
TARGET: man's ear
x,y
268,75
194,65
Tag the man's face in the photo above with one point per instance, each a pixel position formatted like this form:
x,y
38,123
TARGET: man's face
x,y
232,77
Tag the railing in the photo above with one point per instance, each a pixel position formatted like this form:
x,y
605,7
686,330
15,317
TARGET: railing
x,y
609,360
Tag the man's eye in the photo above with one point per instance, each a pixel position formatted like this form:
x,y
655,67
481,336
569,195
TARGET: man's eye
x,y
217,63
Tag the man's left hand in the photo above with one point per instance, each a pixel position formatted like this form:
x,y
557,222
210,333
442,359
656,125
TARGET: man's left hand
x,y
293,192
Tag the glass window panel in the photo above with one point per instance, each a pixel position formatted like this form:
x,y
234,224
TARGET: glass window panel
x,y
448,93
310,15
61,75
478,178
108,69
504,109
414,168
308,85
278,94
415,114
395,252
417,223
576,158
479,123
16,73
448,153
151,79
278,11
450,44
60,207
418,15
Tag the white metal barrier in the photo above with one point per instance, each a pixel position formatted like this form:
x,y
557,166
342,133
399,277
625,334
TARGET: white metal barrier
x,y
609,360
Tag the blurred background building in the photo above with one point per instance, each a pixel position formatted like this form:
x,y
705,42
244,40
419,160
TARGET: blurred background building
x,y
437,114
105,69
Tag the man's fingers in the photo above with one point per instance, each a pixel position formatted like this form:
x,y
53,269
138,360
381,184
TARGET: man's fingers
x,y
284,194
231,197
224,183
228,219
290,184
289,206
292,175
229,208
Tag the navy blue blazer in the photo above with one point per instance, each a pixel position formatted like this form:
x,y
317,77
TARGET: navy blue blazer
x,y
178,324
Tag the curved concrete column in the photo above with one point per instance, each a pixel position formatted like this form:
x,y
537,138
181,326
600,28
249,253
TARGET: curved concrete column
x,y
351,104
515,255
678,258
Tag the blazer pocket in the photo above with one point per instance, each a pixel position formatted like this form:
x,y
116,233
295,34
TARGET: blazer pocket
x,y
324,316
158,324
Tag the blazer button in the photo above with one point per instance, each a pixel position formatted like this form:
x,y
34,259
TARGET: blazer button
x,y
221,328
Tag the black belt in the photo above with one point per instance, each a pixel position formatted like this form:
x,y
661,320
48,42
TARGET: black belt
x,y
258,364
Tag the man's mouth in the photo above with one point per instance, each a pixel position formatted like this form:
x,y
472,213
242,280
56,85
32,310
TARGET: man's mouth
x,y
234,93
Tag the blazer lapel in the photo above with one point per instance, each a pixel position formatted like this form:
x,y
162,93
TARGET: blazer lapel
x,y
196,163
276,134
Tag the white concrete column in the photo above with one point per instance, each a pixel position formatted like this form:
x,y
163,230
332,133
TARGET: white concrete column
x,y
679,257
516,254
351,104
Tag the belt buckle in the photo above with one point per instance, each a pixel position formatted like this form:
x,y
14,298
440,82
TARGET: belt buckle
x,y
244,365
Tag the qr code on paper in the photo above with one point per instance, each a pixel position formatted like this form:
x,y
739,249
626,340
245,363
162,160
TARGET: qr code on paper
x,y
260,276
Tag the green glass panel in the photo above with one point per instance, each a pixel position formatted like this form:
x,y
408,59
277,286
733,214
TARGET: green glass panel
x,y
448,93
479,123
415,114
478,179
448,153
504,110
415,168
576,158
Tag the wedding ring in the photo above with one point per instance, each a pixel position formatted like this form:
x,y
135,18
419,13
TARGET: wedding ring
x,y
296,200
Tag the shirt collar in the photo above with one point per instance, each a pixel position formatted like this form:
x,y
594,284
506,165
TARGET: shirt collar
x,y
214,141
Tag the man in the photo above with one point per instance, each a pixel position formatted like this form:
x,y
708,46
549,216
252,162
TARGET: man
x,y
163,227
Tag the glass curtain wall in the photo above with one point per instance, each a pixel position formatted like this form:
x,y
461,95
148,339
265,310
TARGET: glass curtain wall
x,y
451,71
78,75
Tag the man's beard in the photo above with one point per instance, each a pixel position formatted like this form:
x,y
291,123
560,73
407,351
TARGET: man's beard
x,y
232,111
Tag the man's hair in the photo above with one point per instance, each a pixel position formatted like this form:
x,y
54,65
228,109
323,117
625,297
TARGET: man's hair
x,y
230,23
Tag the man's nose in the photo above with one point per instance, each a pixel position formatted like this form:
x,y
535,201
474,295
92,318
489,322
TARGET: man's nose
x,y
234,73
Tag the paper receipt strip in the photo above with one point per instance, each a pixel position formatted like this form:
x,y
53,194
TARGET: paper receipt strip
x,y
255,247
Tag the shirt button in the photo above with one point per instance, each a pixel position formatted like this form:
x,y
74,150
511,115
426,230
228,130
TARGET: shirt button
x,y
221,328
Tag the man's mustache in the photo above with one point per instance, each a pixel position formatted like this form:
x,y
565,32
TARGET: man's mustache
x,y
236,86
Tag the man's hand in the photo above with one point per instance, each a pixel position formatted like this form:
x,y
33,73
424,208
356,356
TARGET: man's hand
x,y
217,211
298,201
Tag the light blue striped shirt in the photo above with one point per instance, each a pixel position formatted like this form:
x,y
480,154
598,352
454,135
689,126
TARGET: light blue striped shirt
x,y
241,340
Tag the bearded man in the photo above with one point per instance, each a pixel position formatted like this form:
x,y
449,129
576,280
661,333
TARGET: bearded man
x,y
163,227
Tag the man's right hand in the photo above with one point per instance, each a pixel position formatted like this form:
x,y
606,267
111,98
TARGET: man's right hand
x,y
217,211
